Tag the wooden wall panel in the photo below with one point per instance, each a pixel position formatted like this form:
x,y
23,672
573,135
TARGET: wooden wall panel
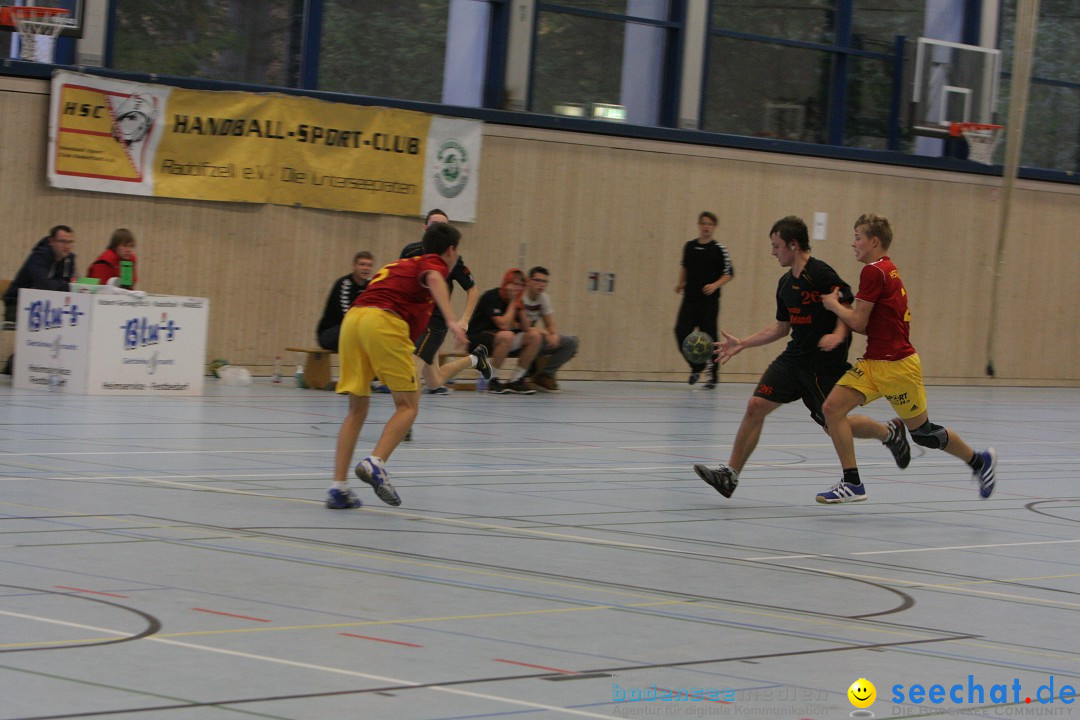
x,y
579,203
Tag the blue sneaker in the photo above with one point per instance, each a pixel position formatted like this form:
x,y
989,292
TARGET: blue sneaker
x,y
843,492
987,477
342,499
374,474
441,390
382,389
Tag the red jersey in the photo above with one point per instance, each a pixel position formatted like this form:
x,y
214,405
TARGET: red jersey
x,y
889,325
399,288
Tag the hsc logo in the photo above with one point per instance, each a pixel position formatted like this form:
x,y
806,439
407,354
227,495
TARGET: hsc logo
x,y
139,332
41,315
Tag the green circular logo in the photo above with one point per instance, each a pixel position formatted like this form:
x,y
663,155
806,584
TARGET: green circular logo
x,y
451,168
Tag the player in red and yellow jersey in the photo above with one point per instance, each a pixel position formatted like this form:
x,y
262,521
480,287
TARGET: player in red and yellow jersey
x,y
890,368
377,339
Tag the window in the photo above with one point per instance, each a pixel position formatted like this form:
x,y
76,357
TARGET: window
x,y
384,48
1052,125
604,59
236,40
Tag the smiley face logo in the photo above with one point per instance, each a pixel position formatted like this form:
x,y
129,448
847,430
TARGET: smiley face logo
x,y
862,693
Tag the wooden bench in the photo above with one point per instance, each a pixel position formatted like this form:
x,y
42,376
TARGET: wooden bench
x,y
317,367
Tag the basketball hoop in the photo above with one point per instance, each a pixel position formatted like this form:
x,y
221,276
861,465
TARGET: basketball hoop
x,y
982,140
38,27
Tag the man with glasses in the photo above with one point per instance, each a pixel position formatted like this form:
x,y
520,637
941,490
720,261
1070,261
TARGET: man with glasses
x,y
50,266
557,349
705,268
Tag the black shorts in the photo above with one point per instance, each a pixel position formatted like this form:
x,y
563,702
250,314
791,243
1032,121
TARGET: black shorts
x,y
431,339
790,379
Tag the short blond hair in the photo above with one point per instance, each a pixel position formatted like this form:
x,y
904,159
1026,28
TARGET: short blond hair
x,y
876,226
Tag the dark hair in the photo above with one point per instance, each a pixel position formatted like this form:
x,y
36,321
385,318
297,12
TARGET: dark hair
x,y
876,226
363,254
123,236
58,228
538,269
435,211
792,229
440,237
707,214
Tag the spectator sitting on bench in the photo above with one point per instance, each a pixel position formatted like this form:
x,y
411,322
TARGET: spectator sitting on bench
x,y
558,349
499,322
341,299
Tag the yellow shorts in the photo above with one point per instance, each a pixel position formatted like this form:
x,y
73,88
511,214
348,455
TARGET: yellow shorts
x,y
898,381
375,343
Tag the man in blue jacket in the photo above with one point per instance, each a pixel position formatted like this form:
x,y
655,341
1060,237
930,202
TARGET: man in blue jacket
x,y
50,266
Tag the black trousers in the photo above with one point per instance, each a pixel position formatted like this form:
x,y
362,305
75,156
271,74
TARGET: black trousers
x,y
702,315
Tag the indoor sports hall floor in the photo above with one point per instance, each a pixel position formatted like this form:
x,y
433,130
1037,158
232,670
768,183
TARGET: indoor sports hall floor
x,y
555,557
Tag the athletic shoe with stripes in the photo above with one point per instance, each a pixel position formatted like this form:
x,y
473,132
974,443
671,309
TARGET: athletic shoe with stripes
x,y
843,492
723,478
987,477
374,474
342,499
898,443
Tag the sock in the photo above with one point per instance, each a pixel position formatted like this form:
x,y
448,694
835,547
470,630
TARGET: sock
x,y
976,462
891,436
473,361
342,486
517,375
851,476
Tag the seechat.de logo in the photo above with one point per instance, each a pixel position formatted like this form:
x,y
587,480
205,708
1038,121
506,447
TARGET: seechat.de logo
x,y
42,315
140,332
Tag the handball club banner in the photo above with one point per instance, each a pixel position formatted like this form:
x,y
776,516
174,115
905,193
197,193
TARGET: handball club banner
x,y
138,139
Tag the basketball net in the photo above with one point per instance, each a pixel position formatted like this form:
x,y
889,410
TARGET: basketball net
x,y
981,143
38,28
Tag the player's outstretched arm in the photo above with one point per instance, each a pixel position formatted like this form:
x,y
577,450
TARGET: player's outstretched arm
x,y
733,346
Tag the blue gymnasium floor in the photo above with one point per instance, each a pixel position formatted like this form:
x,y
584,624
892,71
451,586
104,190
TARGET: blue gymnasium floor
x,y
555,557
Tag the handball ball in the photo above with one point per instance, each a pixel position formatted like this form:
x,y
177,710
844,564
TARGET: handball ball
x,y
697,347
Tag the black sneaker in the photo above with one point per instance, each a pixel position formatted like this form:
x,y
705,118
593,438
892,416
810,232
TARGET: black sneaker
x,y
723,478
898,443
692,380
498,387
482,364
519,387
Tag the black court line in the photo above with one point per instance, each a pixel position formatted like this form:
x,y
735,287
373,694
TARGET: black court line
x,y
153,625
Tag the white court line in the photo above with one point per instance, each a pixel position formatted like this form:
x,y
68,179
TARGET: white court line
x,y
965,547
310,666
915,550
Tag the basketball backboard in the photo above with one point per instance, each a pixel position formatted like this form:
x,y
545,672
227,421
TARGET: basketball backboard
x,y
952,83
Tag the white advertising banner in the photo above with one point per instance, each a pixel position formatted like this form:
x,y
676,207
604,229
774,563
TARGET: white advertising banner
x,y
452,167
111,344
52,336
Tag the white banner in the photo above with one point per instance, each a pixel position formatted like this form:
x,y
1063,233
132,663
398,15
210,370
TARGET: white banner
x,y
110,344
452,168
